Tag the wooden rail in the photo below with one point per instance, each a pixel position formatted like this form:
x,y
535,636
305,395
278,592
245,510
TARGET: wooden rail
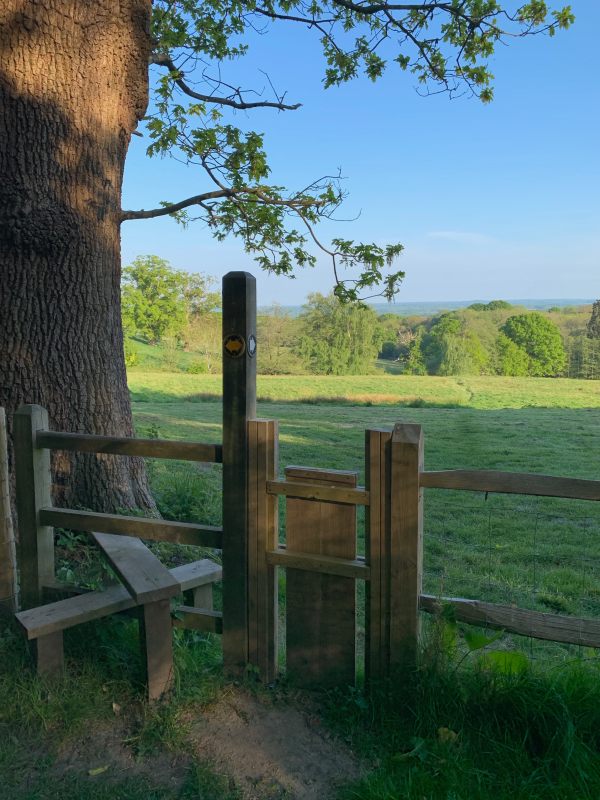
x,y
537,624
511,483
143,527
327,494
149,448
327,565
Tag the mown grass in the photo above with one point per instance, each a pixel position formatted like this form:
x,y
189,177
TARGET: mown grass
x,y
448,731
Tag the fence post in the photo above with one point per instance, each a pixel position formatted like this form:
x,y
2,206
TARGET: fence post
x,y
377,483
394,548
406,542
8,561
239,405
262,537
33,483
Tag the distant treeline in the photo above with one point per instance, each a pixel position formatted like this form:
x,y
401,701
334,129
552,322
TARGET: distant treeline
x,y
179,312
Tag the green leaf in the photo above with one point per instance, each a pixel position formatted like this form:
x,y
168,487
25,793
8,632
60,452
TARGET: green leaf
x,y
477,641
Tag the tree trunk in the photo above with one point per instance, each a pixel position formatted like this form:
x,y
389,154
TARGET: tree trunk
x,y
73,85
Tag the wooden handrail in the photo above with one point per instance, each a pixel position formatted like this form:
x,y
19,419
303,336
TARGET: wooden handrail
x,y
115,445
143,527
511,483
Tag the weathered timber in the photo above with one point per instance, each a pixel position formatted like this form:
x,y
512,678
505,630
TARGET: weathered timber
x,y
320,608
156,642
262,537
198,619
8,558
405,542
537,624
511,483
33,484
67,613
377,473
324,493
147,580
142,527
239,405
325,565
117,445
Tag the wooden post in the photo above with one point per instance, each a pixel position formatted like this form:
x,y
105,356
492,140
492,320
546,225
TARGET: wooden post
x,y
262,537
406,543
239,405
33,483
8,561
377,480
394,548
321,609
156,640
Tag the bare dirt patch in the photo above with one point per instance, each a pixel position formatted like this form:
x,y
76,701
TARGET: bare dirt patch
x,y
271,750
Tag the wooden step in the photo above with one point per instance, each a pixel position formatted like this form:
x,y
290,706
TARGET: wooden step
x,y
64,614
147,579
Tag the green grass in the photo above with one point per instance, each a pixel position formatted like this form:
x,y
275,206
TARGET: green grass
x,y
528,735
536,552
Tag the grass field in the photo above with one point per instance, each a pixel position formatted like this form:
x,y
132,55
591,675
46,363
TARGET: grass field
x,y
454,730
535,552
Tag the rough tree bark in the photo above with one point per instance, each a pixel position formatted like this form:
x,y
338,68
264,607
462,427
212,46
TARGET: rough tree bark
x,y
73,86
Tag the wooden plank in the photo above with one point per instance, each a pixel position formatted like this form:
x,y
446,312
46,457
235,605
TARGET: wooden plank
x,y
511,483
64,614
321,608
325,565
33,483
115,445
262,537
340,476
239,405
157,647
8,558
147,580
198,619
197,573
377,446
405,543
325,493
537,624
142,527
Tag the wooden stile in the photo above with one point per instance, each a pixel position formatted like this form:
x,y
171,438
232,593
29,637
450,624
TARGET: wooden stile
x,y
36,541
320,608
262,538
239,405
8,559
406,542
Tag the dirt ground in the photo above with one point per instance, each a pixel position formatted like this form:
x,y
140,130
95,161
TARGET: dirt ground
x,y
272,750
269,749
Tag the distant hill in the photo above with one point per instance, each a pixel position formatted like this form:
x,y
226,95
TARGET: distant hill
x,y
429,308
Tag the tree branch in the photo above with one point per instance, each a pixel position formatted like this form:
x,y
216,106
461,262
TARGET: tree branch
x,y
165,61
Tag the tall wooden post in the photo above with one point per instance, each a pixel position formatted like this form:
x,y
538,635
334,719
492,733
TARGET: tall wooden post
x,y
394,548
262,537
406,543
8,565
239,405
32,467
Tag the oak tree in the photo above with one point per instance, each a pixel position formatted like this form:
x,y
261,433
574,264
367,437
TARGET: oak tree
x,y
74,86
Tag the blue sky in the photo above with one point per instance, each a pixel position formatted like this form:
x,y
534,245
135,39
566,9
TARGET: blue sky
x,y
499,200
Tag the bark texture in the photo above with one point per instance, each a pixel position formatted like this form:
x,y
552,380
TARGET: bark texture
x,y
73,85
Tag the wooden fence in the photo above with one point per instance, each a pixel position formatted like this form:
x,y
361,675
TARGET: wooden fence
x,y
319,553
